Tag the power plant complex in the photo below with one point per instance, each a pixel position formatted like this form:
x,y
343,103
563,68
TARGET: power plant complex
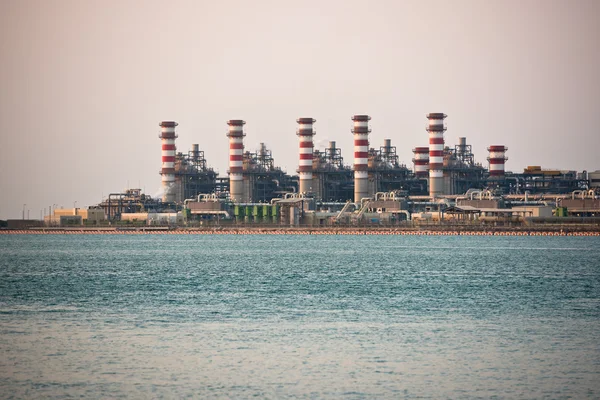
x,y
438,170
443,183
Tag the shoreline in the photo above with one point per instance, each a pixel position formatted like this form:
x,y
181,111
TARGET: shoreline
x,y
422,231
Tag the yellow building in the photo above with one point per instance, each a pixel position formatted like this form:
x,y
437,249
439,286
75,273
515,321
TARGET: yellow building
x,y
75,216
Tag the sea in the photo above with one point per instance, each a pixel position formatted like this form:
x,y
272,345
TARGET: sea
x,y
299,316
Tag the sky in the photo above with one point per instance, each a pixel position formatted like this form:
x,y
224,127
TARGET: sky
x,y
84,84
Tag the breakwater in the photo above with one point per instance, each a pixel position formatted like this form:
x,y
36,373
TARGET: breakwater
x,y
307,231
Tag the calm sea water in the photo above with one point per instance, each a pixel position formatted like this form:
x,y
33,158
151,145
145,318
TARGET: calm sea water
x,y
299,316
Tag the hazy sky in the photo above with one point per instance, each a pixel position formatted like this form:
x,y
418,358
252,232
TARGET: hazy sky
x,y
84,84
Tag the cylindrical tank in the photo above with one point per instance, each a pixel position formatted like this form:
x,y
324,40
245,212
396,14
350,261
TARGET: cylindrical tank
x,y
421,161
361,156
195,151
236,159
305,135
497,160
167,137
436,130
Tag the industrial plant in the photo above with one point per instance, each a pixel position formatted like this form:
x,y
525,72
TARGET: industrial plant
x,y
444,183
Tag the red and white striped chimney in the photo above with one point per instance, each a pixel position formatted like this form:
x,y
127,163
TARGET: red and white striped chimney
x,y
421,161
497,160
436,130
167,138
361,156
236,159
305,135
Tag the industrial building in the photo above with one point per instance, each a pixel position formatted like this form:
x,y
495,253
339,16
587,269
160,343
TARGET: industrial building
x,y
75,216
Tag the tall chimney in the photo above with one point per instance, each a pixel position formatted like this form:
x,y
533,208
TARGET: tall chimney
x,y
236,162
305,135
497,160
436,130
167,138
361,156
421,162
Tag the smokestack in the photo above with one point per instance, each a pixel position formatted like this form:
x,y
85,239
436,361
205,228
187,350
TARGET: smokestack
x,y
195,151
462,145
263,151
305,135
236,162
387,146
436,130
421,162
497,159
167,138
361,156
331,149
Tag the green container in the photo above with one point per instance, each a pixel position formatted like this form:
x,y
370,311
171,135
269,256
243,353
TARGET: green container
x,y
274,211
561,211
256,211
265,211
238,211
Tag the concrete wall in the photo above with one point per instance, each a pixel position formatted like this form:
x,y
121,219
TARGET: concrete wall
x,y
481,203
387,205
134,217
22,223
588,204
68,220
535,211
204,206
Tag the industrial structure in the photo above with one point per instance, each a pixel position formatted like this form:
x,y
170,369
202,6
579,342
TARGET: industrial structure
x,y
421,162
305,165
131,201
262,179
332,179
439,170
236,159
436,129
361,156
193,175
497,160
445,182
460,170
167,137
387,174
